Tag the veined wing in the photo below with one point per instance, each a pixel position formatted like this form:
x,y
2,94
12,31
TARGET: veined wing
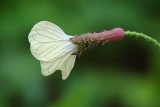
x,y
68,66
64,63
48,40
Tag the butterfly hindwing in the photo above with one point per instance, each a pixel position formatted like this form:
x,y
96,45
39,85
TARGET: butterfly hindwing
x,y
64,63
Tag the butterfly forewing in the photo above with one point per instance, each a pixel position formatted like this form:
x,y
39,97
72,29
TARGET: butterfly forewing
x,y
47,40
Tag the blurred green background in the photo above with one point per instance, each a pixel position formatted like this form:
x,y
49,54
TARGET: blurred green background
x,y
119,74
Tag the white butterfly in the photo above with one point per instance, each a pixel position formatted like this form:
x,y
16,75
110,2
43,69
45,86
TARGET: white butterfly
x,y
53,48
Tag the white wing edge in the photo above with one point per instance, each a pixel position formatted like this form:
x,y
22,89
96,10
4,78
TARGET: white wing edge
x,y
38,42
65,64
68,67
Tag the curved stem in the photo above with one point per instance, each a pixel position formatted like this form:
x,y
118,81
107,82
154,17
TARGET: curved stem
x,y
141,35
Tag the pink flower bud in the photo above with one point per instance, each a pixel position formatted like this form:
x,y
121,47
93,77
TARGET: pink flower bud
x,y
115,34
91,39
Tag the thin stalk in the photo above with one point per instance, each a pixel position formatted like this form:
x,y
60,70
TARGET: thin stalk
x,y
141,35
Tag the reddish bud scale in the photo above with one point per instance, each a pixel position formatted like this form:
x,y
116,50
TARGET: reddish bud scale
x,y
115,34
90,39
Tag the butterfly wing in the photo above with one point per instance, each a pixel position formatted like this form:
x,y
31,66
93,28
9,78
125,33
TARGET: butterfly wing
x,y
64,63
48,41
66,69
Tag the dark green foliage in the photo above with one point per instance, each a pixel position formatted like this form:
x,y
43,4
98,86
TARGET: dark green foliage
x,y
121,74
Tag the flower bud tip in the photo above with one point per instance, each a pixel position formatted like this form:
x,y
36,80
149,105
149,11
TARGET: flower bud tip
x,y
115,34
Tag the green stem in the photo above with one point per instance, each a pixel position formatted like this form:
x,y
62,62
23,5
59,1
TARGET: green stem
x,y
141,35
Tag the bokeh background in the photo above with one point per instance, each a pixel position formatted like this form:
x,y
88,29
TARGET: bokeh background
x,y
118,74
